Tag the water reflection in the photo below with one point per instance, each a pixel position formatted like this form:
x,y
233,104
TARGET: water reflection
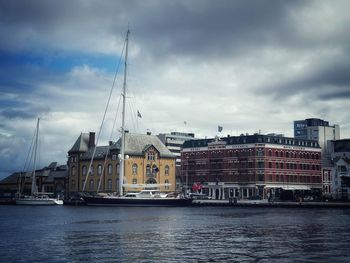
x,y
176,235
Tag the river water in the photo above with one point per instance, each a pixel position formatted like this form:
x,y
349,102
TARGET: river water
x,y
191,234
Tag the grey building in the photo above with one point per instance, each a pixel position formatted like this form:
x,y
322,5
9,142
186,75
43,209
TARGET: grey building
x,y
320,130
174,141
51,179
336,177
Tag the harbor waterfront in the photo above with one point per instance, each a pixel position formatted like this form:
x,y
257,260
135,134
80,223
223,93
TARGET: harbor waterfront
x,y
178,234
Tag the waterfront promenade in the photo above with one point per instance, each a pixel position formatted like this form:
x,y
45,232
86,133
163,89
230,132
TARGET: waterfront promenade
x,y
241,203
265,203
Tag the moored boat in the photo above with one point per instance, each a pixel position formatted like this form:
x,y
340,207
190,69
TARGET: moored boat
x,y
142,198
38,200
35,198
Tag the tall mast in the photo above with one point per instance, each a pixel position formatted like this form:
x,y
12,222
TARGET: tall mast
x,y
122,150
34,189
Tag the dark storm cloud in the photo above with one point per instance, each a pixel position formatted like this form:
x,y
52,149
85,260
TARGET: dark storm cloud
x,y
212,30
166,28
330,80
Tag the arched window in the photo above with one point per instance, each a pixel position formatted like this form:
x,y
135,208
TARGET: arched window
x,y
117,184
166,182
109,184
73,184
118,169
73,170
99,169
134,168
134,181
276,153
84,170
166,170
110,169
92,170
155,169
91,185
151,181
148,170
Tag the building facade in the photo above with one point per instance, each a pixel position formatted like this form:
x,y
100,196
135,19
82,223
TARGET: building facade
x,y
320,130
253,166
51,180
148,161
174,141
337,184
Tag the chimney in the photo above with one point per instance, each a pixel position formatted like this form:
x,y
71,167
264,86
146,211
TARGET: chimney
x,y
110,143
91,139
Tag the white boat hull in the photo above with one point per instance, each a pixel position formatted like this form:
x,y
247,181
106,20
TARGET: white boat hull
x,y
38,201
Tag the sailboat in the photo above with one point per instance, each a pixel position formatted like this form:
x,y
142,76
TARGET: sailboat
x,y
36,198
145,197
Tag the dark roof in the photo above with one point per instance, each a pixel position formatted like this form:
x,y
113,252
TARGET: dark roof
x,y
342,145
13,178
49,172
81,144
99,154
256,138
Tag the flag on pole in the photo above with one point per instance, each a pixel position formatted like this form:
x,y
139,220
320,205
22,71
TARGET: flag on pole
x,y
139,114
219,128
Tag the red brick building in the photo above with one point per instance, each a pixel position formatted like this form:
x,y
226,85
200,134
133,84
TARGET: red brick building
x,y
252,166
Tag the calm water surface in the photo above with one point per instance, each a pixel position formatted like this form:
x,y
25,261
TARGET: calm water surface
x,y
198,234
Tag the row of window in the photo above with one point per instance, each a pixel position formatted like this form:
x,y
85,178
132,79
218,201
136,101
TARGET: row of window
x,y
91,185
293,178
257,177
250,152
260,164
149,170
300,166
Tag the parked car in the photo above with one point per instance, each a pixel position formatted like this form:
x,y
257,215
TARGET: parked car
x,y
199,196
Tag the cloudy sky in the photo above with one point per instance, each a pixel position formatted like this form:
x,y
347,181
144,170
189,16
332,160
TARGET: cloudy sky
x,y
248,66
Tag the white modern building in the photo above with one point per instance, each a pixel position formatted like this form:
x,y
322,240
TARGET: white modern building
x,y
320,130
174,141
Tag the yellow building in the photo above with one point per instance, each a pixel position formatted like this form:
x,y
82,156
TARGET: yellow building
x,y
148,161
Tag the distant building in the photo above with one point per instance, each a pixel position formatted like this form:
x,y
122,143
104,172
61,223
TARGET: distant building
x,y
253,166
148,162
51,179
336,177
174,141
320,130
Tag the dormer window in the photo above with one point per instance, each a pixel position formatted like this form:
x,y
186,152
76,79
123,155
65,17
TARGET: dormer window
x,y
150,156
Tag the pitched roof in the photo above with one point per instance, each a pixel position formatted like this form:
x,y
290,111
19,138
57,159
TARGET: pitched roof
x,y
99,154
136,144
47,172
81,144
